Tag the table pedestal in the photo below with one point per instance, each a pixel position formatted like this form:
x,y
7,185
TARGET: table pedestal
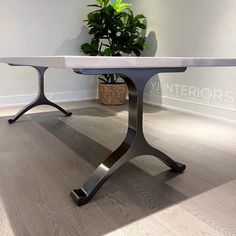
x,y
134,143
41,99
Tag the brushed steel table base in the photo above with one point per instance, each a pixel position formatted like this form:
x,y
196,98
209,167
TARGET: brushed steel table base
x,y
134,143
41,98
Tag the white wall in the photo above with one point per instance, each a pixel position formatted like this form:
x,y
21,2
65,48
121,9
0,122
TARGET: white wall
x,y
32,28
181,28
193,28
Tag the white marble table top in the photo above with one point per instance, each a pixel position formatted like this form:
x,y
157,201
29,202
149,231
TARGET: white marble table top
x,y
118,62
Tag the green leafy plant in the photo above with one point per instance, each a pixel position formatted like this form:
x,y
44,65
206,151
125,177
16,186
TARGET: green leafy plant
x,y
115,31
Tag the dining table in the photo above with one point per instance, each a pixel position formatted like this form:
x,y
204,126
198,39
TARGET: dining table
x,y
136,72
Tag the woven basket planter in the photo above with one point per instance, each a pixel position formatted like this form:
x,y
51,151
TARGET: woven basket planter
x,y
112,94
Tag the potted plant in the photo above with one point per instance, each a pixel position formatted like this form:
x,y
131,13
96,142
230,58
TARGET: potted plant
x,y
115,31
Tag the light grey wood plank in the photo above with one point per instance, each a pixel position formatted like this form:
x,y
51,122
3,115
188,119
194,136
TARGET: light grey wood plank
x,y
43,156
11,220
123,210
184,223
35,201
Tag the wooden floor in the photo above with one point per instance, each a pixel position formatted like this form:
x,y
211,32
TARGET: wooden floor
x,y
45,155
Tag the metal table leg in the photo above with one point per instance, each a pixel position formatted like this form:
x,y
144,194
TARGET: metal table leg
x,y
41,99
134,143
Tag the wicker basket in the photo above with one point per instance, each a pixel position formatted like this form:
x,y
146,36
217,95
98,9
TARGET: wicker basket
x,y
112,94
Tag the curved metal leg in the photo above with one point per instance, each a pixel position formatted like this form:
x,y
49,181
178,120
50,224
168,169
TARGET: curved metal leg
x,y
175,166
135,143
23,111
41,98
67,113
102,173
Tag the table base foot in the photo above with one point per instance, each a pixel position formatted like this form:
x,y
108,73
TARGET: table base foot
x,y
133,146
66,113
38,102
41,98
79,196
175,166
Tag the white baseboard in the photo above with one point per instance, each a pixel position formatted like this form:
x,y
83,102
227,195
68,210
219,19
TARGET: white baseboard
x,y
16,100
165,102
204,110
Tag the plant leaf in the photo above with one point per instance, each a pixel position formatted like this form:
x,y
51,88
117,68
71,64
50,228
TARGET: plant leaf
x,y
115,30
100,2
107,52
105,2
93,5
145,46
95,44
104,80
140,16
86,48
136,52
141,25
